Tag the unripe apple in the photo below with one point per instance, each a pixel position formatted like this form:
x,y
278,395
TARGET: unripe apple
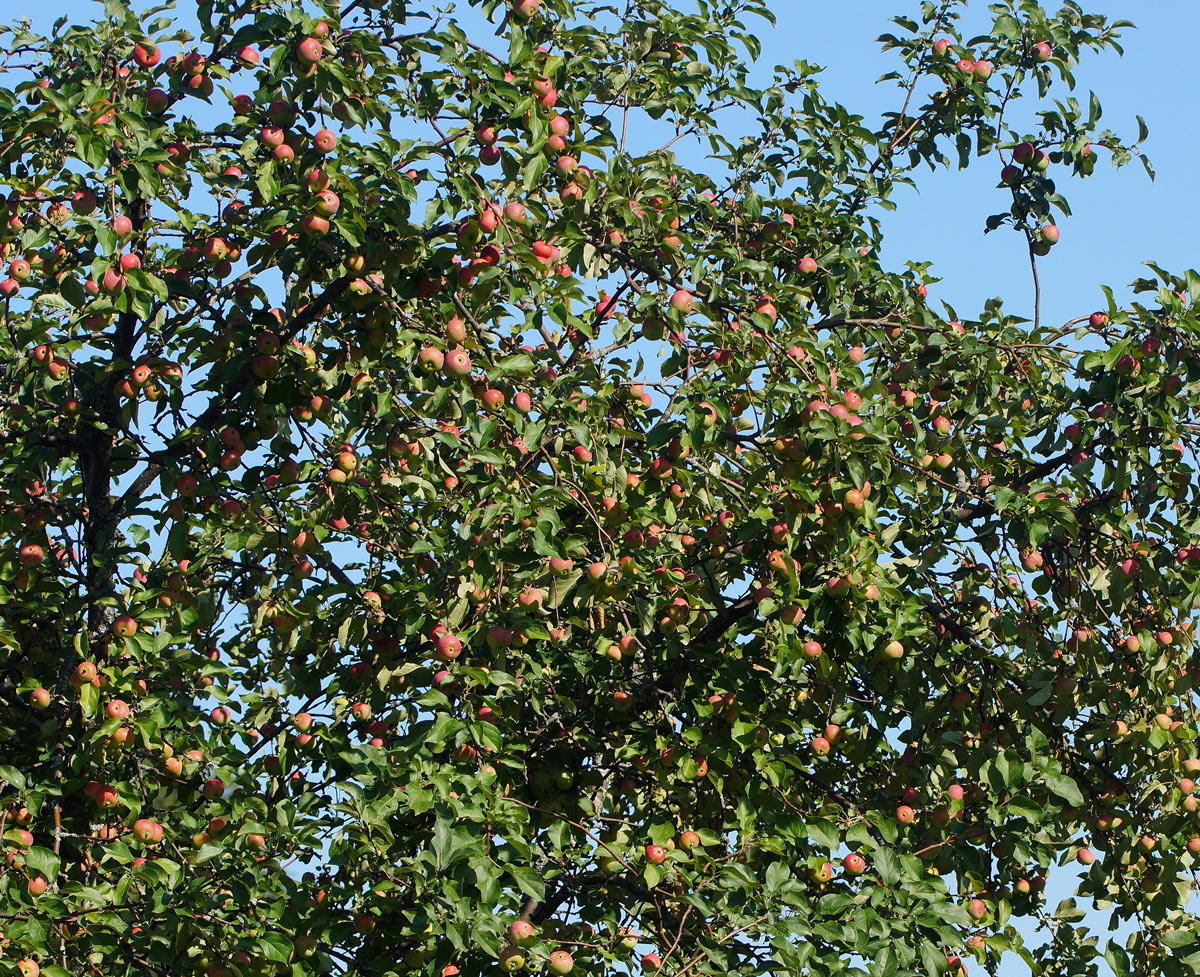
x,y
821,874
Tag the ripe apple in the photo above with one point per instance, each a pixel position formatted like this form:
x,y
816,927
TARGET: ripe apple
x,y
656,854
124,626
430,359
561,962
523,10
308,51
458,362
854,864
326,203
314,225
146,55
681,300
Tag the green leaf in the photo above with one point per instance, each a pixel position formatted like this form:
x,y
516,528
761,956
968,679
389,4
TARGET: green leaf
x,y
528,881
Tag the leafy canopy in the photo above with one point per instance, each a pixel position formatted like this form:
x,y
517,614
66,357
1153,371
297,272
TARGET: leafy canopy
x,y
442,530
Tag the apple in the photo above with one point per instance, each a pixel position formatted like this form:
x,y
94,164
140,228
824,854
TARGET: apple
x,y
523,10
905,814
324,141
146,55
512,959
854,864
308,51
31,555
430,359
449,647
40,698
651,963
314,225
458,362
1042,52
656,854
124,626
681,300
560,961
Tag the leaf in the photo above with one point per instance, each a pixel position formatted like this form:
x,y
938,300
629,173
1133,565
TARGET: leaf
x,y
887,866
1063,786
43,861
89,699
13,776
528,881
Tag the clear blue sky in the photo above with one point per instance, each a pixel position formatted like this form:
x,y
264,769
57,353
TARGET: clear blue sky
x,y
1120,219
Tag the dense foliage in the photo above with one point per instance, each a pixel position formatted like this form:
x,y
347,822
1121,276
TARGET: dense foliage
x,y
443,532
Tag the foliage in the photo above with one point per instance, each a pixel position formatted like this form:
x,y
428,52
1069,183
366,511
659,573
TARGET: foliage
x,y
439,533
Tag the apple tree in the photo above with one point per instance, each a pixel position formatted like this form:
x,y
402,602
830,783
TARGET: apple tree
x,y
475,500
